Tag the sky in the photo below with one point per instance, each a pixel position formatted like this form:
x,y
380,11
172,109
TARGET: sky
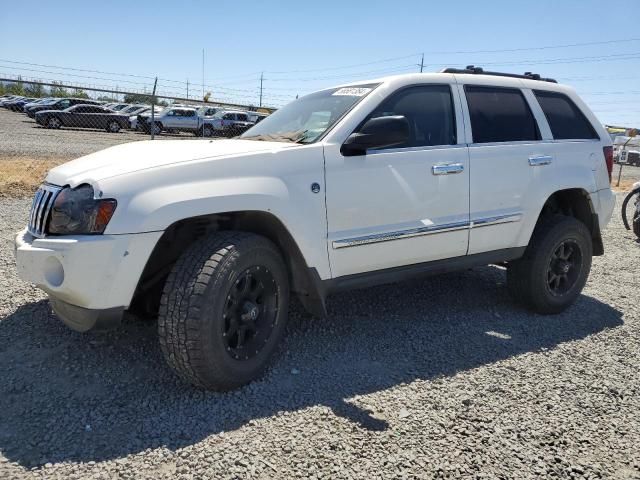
x,y
299,47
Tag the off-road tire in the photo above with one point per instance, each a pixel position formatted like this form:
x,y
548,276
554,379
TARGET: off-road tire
x,y
194,299
527,277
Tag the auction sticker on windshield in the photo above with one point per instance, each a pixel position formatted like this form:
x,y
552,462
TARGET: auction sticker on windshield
x,y
352,91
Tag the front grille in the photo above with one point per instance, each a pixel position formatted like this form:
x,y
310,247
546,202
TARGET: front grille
x,y
41,208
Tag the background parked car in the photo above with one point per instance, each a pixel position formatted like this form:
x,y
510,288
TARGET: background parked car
x,y
227,123
116,107
17,105
133,116
172,119
9,99
256,117
83,116
132,109
38,101
59,104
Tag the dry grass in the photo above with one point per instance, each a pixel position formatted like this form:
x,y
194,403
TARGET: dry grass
x,y
625,185
20,176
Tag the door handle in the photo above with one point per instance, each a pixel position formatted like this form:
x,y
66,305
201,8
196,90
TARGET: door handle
x,y
540,160
447,169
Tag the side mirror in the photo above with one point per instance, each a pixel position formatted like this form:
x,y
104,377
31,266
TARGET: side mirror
x,y
377,132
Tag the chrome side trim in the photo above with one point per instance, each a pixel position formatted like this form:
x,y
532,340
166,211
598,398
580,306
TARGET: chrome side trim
x,y
426,230
487,221
399,234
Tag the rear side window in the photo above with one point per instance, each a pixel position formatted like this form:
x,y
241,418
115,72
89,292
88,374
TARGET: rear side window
x,y
429,111
564,117
500,115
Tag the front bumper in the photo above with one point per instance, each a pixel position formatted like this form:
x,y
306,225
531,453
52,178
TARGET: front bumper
x,y
606,203
90,279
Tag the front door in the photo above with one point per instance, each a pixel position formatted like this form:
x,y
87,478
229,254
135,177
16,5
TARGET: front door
x,y
406,204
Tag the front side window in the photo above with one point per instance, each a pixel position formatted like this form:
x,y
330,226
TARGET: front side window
x,y
565,118
500,115
299,122
429,111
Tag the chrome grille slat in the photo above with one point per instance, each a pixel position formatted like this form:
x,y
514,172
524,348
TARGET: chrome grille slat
x,y
36,220
47,210
41,208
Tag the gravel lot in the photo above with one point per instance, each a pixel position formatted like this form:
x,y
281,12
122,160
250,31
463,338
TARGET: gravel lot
x,y
21,136
438,378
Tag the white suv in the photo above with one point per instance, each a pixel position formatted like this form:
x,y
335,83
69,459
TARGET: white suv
x,y
347,187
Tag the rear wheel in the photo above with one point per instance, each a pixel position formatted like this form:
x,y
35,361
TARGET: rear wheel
x,y
223,310
555,267
113,127
54,122
207,131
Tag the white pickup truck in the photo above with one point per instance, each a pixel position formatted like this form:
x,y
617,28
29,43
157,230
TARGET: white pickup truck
x,y
347,187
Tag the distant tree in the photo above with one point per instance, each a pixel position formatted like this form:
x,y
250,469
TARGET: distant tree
x,y
137,98
34,90
207,96
79,93
15,88
58,91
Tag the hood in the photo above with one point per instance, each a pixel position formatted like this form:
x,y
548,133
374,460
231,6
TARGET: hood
x,y
148,154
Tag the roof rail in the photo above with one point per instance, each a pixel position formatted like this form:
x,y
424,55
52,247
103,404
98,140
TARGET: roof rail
x,y
473,70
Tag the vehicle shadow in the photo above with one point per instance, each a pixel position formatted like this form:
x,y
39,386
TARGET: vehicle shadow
x,y
66,396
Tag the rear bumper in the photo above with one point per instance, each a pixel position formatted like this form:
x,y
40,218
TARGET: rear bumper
x,y
606,203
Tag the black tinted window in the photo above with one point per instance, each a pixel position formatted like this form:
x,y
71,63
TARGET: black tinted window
x,y
228,116
500,115
564,117
242,117
429,111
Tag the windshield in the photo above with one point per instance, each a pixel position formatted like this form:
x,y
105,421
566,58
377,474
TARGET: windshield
x,y
308,118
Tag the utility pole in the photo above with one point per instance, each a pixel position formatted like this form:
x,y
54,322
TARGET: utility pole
x,y
203,74
422,63
261,80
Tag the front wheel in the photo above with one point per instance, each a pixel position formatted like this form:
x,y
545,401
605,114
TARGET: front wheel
x,y
113,127
555,267
54,122
223,310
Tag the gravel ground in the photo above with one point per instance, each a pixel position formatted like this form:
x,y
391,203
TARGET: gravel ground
x,y
21,136
438,378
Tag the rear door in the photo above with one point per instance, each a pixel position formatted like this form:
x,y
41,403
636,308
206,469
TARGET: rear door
x,y
508,157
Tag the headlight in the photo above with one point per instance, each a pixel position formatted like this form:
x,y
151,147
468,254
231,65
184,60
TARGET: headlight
x,y
76,212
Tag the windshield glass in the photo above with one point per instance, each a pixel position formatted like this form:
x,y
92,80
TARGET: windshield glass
x,y
308,118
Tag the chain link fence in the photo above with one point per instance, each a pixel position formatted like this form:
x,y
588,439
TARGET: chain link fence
x,y
44,124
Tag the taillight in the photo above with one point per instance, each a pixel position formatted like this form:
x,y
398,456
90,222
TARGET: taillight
x,y
608,158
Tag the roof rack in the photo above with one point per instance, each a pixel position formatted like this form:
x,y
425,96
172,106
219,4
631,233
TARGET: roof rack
x,y
473,70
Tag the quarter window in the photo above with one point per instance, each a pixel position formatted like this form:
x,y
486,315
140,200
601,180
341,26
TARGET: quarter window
x,y
500,115
564,117
429,111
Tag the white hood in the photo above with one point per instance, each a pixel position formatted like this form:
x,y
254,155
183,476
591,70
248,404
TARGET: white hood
x,y
136,156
